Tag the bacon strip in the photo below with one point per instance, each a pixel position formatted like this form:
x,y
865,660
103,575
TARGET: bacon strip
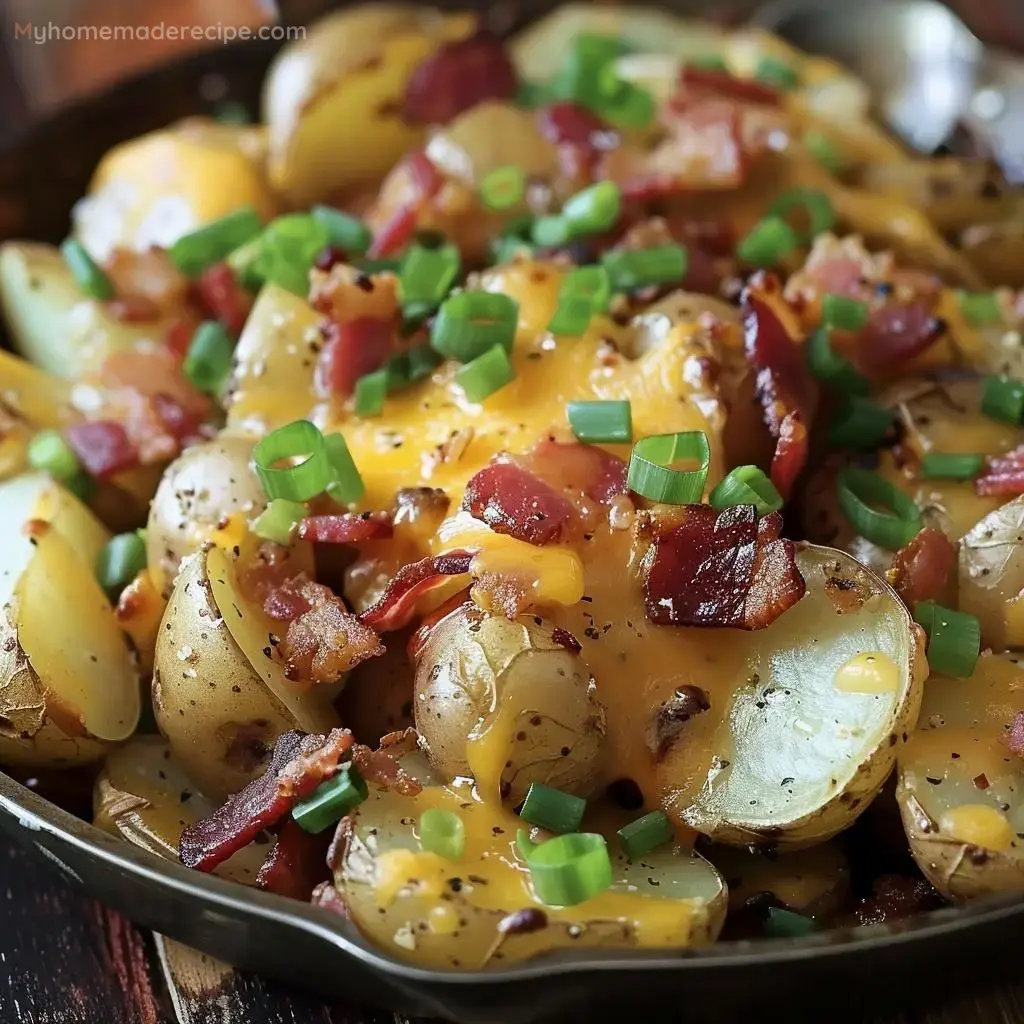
x,y
347,528
220,295
895,333
720,569
352,349
398,603
721,83
1003,476
1015,735
296,864
299,764
585,468
921,568
380,768
103,448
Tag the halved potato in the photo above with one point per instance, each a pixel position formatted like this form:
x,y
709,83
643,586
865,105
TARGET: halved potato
x,y
68,683
444,913
992,575
219,695
143,795
961,787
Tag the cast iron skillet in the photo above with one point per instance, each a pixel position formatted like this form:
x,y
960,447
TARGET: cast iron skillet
x,y
831,974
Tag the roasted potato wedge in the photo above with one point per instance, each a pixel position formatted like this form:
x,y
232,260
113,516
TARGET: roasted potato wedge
x,y
69,685
961,780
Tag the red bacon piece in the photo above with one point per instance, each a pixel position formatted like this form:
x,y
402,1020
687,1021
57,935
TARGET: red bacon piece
x,y
457,76
425,182
352,349
720,569
921,568
1015,735
409,584
222,297
1003,476
380,768
299,764
592,471
895,333
346,528
103,448
721,83
791,450
179,337
182,424
296,864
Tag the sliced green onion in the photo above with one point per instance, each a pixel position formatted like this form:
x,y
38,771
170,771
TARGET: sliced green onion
x,y
194,252
244,261
506,249
531,95
381,266
784,924
443,833
767,242
859,424
503,188
278,520
632,107
861,491
1003,399
661,264
551,232
50,453
645,834
331,801
89,277
421,361
583,78
370,392
980,309
609,422
708,62
951,465
346,232
650,470
593,210
427,276
120,560
524,845
81,485
954,638
825,151
486,374
843,312
346,485
207,362
552,809
232,112
471,323
572,316
776,73
289,247
747,485
301,482
569,869
831,368
583,292
814,203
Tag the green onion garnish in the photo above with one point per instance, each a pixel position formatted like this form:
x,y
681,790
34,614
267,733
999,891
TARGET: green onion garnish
x,y
503,188
593,210
50,453
651,471
91,280
289,247
121,559
426,277
662,264
552,809
443,833
583,292
386,264
747,485
346,485
551,232
1003,399
609,422
825,151
531,95
583,77
331,801
859,424
278,520
486,374
830,367
860,494
767,242
569,869
784,924
207,362
572,315
194,252
346,232
471,323
420,362
980,309
631,107
370,391
814,204
244,261
776,73
951,465
524,845
645,834
708,62
232,112
843,312
954,638
301,482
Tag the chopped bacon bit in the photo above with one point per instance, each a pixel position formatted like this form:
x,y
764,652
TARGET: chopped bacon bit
x,y
921,568
329,257
895,333
1003,476
379,767
457,76
183,424
895,897
222,297
424,181
720,569
721,83
352,349
103,448
585,468
296,864
565,639
326,896
179,337
134,309
1015,735
148,276
393,235
299,764
791,450
580,135
346,528
285,602
398,603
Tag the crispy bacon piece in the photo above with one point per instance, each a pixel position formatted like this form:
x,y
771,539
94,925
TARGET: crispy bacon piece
x,y
346,528
222,297
352,349
380,768
720,569
424,182
921,568
299,764
895,333
721,83
146,279
580,136
1003,476
1015,735
179,337
296,864
327,897
585,468
409,584
103,448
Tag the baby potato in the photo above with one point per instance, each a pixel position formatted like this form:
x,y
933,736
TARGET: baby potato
x,y
205,484
961,780
143,795
508,704
992,575
69,686
332,101
219,696
461,913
